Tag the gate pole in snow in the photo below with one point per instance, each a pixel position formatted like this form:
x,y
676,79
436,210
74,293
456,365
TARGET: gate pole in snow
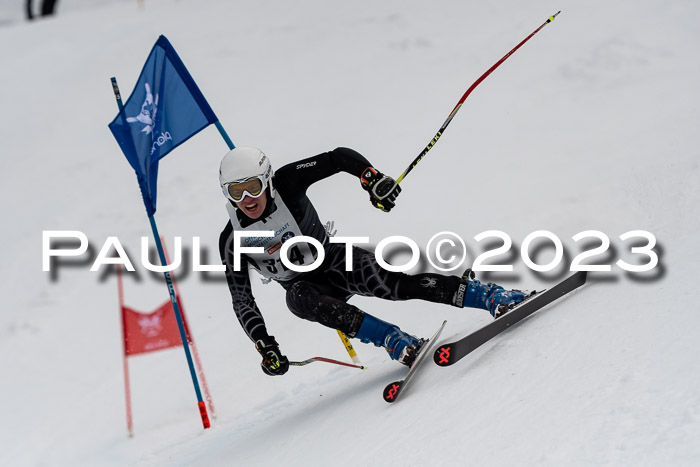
x,y
127,387
195,353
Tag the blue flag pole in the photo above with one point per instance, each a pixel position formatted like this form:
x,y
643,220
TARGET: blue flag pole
x,y
224,135
171,290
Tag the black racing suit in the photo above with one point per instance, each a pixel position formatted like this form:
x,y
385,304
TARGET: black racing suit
x,y
321,295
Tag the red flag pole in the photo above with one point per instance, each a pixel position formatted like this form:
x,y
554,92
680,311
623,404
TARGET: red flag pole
x,y
127,387
190,337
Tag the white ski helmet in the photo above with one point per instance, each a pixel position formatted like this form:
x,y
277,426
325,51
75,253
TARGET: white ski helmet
x,y
241,164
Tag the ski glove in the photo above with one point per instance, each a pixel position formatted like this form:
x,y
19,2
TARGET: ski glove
x,y
382,189
273,362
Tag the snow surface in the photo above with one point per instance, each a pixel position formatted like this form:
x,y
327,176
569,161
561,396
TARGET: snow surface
x,y
591,125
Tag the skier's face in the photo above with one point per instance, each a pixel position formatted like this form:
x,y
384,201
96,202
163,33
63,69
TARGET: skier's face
x,y
253,207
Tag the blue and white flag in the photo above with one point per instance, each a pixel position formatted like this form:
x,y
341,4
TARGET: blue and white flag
x,y
164,110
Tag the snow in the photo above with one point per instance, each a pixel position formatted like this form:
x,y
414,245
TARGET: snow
x,y
591,125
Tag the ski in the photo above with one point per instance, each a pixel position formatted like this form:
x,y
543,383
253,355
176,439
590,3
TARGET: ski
x,y
449,353
393,390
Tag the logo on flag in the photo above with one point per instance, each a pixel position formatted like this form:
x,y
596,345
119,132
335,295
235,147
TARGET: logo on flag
x,y
149,108
150,326
146,332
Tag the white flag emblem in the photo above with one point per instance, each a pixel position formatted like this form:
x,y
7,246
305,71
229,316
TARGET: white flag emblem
x,y
148,112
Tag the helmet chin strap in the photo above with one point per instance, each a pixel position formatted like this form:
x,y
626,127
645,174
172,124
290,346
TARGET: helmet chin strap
x,y
270,187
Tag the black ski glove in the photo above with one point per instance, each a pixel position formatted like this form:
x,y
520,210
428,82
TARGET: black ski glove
x,y
382,189
273,362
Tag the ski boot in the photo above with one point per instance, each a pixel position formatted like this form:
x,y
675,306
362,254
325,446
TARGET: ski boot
x,y
491,297
399,345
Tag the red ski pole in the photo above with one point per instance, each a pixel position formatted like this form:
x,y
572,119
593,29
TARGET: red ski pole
x,y
464,97
326,360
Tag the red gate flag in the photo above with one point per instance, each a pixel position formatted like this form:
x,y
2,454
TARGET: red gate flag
x,y
157,330
147,332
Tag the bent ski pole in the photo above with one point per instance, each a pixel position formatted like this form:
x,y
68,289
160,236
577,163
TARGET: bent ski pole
x,y
464,97
327,360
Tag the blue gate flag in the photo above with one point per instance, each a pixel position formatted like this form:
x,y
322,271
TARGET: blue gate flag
x,y
164,110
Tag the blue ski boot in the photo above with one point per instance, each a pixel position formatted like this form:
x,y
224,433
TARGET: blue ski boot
x,y
400,346
491,297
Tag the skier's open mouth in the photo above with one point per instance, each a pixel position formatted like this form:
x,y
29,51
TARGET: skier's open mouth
x,y
251,207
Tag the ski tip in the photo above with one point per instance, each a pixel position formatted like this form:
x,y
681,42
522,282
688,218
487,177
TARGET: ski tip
x,y
391,391
442,355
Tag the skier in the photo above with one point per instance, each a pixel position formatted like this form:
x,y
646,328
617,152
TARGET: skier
x,y
262,200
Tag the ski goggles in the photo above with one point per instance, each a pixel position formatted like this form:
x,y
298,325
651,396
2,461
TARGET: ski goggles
x,y
253,187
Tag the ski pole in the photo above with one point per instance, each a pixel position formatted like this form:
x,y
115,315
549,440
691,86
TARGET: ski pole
x,y
326,360
464,97
349,348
